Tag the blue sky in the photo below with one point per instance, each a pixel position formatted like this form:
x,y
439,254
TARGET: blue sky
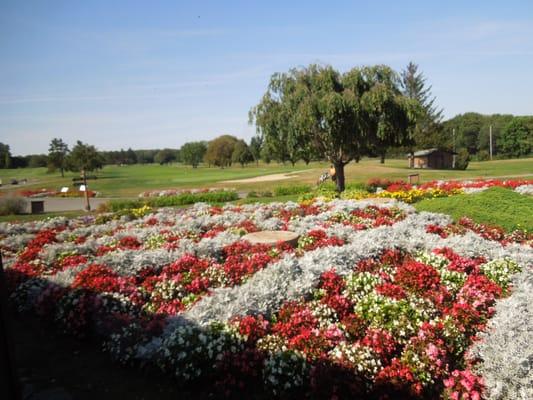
x,y
159,74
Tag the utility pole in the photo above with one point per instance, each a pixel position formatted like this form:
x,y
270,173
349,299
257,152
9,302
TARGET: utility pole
x,y
490,141
453,157
87,205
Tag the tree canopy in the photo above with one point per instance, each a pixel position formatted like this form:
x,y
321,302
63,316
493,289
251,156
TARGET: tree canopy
x,y
516,139
341,116
192,153
165,156
57,155
5,156
220,151
84,157
241,153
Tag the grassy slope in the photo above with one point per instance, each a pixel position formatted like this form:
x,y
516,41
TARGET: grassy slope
x,y
115,181
496,206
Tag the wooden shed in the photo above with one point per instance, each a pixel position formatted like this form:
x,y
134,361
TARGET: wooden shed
x,y
432,158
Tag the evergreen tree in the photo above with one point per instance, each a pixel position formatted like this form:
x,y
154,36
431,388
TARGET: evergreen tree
x,y
427,131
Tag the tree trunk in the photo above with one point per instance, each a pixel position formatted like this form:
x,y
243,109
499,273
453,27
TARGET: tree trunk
x,y
339,176
62,172
382,159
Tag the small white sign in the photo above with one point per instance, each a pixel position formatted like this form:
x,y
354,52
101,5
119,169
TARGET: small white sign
x,y
64,189
82,188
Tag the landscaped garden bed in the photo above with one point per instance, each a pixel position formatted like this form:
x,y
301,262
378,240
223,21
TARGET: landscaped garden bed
x,y
375,300
411,193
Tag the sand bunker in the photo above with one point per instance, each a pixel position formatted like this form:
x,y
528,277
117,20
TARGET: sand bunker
x,y
265,178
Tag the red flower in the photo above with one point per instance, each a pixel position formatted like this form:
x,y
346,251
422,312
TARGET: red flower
x,y
417,277
129,242
391,290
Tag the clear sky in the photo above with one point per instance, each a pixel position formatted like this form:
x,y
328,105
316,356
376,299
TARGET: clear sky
x,y
153,74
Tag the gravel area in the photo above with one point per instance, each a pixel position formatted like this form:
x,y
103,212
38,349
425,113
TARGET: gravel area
x,y
506,348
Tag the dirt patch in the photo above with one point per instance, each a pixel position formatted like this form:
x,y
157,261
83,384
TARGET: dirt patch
x,y
266,178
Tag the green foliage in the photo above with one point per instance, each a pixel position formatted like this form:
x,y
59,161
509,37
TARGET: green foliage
x,y
5,156
220,151
84,157
462,159
191,198
10,205
241,153
170,201
165,156
255,147
57,155
293,189
341,116
192,153
117,205
473,132
494,206
257,194
483,155
37,160
427,132
516,139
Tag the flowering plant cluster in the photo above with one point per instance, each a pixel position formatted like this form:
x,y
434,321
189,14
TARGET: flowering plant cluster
x,y
355,309
491,232
176,192
408,193
476,184
55,193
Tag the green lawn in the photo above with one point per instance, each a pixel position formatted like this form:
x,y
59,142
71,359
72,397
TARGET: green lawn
x,y
494,206
129,181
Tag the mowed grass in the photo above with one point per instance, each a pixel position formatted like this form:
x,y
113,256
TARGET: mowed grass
x,y
129,181
494,206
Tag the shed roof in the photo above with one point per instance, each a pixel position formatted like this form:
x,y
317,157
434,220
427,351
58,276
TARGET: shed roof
x,y
427,152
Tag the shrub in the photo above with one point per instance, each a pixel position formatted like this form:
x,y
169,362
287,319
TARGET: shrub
x,y
13,205
178,200
191,198
117,205
483,155
294,189
462,159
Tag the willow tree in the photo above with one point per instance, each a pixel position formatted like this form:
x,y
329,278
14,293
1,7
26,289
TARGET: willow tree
x,y
342,116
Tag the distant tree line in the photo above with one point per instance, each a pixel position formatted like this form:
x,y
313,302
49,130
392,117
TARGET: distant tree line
x,y
512,136
317,113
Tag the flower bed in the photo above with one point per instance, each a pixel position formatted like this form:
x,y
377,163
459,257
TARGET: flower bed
x,y
177,192
369,303
409,193
54,193
486,231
